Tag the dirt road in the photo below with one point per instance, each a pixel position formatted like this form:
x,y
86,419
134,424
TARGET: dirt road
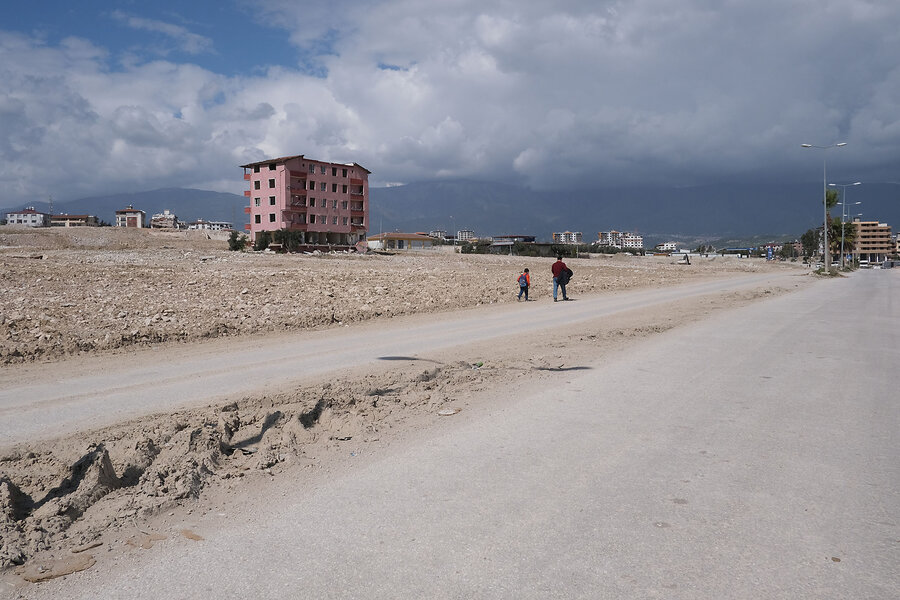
x,y
40,403
724,458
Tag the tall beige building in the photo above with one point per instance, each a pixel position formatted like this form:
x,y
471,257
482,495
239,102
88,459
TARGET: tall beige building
x,y
873,240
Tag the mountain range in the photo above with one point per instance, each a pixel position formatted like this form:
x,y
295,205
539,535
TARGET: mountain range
x,y
685,214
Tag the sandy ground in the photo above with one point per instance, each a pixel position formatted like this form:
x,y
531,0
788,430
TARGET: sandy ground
x,y
66,503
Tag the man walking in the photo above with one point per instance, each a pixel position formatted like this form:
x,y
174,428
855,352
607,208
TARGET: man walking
x,y
561,274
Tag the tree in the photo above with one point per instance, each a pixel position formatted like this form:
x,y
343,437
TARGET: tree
x,y
831,199
835,235
810,242
236,241
263,239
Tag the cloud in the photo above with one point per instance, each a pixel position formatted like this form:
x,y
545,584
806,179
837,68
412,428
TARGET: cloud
x,y
186,40
568,94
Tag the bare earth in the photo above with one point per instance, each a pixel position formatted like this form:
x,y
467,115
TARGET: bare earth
x,y
68,502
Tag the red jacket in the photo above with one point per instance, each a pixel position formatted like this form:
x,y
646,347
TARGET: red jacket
x,y
558,267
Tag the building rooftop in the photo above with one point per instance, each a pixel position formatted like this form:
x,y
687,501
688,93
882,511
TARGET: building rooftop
x,y
282,159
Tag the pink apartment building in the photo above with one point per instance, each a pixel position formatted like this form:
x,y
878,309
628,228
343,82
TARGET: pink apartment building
x,y
328,202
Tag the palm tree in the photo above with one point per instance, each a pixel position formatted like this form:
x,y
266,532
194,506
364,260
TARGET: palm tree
x,y
835,234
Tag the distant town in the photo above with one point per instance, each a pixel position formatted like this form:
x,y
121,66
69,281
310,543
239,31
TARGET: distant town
x,y
301,204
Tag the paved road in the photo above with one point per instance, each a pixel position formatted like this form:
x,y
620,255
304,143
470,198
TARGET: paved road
x,y
752,455
58,400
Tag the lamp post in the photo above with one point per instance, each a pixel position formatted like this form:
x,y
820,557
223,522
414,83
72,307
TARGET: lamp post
x,y
843,204
826,254
855,217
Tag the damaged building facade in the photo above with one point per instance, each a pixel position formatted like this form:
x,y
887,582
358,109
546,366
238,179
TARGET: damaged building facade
x,y
328,203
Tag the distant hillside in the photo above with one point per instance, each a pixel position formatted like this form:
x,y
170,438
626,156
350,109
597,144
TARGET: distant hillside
x,y
188,204
689,215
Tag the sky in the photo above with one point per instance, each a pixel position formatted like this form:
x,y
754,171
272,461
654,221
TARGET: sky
x,y
108,97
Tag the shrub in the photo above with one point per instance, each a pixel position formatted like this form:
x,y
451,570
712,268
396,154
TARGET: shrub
x,y
236,241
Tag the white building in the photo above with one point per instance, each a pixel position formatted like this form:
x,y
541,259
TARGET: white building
x,y
632,241
164,220
211,225
28,216
620,239
568,237
131,217
667,247
465,235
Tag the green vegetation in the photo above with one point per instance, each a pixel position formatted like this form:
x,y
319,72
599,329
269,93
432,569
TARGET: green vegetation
x,y
263,239
236,241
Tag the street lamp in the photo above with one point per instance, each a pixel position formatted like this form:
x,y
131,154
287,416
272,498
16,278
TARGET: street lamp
x,y
843,204
855,217
826,254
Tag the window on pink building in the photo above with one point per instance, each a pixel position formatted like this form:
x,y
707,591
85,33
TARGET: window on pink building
x,y
271,217
271,183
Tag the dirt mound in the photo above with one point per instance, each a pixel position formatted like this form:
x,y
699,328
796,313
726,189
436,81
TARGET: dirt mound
x,y
70,492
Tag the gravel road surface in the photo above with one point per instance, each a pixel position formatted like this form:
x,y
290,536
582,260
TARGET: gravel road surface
x,y
753,454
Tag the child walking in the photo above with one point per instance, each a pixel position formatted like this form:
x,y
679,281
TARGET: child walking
x,y
524,283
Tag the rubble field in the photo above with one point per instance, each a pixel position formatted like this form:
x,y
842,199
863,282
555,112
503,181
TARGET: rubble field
x,y
87,290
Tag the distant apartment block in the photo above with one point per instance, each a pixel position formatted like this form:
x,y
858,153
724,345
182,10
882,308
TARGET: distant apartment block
x,y
465,235
131,217
327,202
74,221
28,216
620,239
164,220
568,237
211,225
873,241
438,234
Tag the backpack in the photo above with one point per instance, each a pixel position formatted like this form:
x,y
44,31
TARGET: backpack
x,y
523,281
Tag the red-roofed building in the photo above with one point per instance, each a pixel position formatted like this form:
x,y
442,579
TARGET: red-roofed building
x,y
131,217
74,221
